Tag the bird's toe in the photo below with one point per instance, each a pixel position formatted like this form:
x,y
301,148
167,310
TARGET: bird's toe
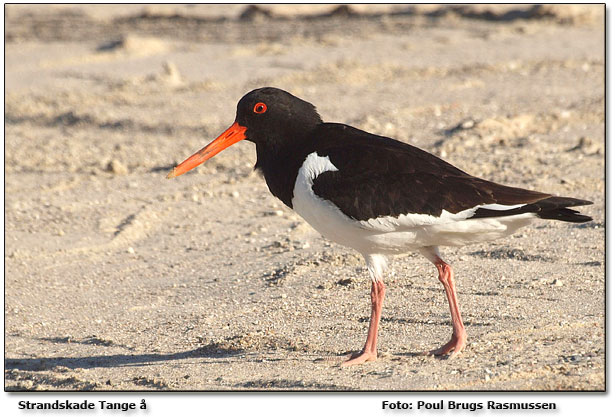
x,y
359,358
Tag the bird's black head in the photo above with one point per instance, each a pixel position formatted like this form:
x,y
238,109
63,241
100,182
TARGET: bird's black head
x,y
269,117
273,115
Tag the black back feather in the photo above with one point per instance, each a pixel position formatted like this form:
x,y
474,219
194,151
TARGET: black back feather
x,y
378,176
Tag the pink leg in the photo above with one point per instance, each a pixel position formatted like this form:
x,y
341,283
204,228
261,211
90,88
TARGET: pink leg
x,y
458,338
377,295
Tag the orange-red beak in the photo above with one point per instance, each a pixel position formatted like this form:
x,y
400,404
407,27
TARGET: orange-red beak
x,y
230,136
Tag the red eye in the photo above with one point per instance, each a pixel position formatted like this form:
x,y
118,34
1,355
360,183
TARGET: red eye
x,y
260,108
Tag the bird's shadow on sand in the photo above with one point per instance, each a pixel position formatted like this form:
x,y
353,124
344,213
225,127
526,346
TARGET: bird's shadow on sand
x,y
110,361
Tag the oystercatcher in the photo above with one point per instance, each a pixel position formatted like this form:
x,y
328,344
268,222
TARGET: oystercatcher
x,y
377,195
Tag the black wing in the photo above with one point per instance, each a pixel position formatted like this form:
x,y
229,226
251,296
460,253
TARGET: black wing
x,y
378,176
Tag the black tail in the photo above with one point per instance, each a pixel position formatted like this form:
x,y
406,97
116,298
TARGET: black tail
x,y
556,208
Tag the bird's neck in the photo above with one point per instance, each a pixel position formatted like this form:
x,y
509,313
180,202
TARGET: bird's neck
x,y
280,165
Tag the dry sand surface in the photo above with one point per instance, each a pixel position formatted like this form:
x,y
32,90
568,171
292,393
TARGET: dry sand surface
x,y
118,279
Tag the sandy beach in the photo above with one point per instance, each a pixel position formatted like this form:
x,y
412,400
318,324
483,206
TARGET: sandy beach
x,y
119,279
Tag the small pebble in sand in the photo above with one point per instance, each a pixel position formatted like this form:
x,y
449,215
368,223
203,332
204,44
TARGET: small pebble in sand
x,y
467,124
587,146
116,167
130,250
557,283
170,74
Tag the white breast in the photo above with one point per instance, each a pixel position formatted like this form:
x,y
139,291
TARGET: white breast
x,y
328,220
321,214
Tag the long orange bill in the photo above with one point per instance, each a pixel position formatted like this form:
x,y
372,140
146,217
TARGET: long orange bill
x,y
230,136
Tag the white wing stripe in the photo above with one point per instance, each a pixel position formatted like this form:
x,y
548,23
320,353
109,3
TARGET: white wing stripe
x,y
412,220
499,207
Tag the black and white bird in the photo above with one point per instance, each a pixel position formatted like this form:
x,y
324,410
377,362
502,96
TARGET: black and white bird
x,y
377,195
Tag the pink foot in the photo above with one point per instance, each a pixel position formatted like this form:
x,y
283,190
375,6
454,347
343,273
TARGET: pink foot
x,y
456,344
377,294
458,338
359,358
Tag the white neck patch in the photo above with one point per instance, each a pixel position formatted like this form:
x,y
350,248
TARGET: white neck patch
x,y
313,166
